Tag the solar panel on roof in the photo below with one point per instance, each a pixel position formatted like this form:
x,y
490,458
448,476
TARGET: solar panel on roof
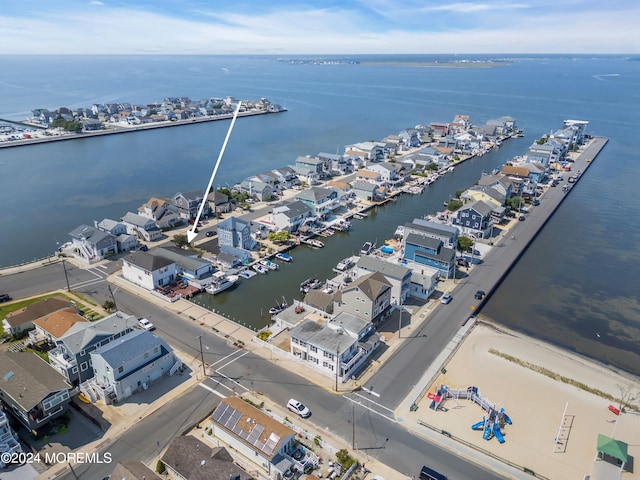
x,y
256,431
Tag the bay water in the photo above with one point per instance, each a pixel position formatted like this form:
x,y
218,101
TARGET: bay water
x,y
576,286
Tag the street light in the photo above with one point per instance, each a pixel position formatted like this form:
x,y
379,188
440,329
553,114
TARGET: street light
x,y
400,318
66,277
204,370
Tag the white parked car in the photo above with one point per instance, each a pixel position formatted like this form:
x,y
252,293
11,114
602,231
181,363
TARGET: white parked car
x,y
297,407
446,298
146,324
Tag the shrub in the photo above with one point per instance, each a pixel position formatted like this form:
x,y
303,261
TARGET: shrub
x,y
160,468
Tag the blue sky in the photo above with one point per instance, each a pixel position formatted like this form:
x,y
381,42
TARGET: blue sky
x,y
328,27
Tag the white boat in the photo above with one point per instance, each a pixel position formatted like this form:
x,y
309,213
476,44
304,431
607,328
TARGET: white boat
x,y
342,225
269,264
314,243
344,264
247,274
278,308
260,268
451,168
367,248
221,281
285,257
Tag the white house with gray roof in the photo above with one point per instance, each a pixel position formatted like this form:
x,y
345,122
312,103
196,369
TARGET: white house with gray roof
x,y
124,241
71,357
322,201
148,271
187,264
130,365
92,244
142,227
290,216
337,348
188,203
398,276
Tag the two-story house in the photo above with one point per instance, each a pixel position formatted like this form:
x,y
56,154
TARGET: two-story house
x,y
92,244
148,271
72,355
54,325
187,263
431,244
220,203
131,364
287,177
368,191
256,189
475,219
337,348
265,442
368,297
369,151
124,241
235,233
398,276
187,204
337,164
161,211
143,228
321,201
9,443
388,174
31,390
290,216
313,163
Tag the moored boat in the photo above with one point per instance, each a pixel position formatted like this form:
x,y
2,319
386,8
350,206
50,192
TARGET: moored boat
x,y
344,264
367,248
284,257
221,282
260,268
270,265
247,274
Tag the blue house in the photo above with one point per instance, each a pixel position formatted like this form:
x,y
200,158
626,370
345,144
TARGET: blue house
x,y
233,232
430,252
475,218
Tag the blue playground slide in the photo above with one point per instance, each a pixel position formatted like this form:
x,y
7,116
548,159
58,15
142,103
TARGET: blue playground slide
x,y
498,433
506,418
487,434
479,425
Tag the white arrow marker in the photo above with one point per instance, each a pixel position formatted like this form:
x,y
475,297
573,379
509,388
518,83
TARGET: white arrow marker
x,y
191,234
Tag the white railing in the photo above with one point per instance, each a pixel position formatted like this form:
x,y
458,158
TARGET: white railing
x,y
175,368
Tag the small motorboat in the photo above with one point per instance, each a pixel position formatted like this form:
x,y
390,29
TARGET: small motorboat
x,y
367,248
270,265
284,257
260,268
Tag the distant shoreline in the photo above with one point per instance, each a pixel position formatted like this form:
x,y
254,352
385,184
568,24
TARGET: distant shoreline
x,y
468,64
115,129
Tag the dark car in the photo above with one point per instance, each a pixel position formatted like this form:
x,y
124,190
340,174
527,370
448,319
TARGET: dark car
x,y
210,234
479,295
427,473
143,248
4,297
510,215
535,203
521,218
461,262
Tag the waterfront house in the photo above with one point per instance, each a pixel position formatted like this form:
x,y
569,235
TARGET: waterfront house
x,y
321,201
499,183
306,174
254,435
129,365
133,471
161,211
187,204
518,177
573,132
487,194
320,300
474,219
143,228
336,164
427,155
22,319
397,275
537,173
220,203
336,348
371,176
504,125
31,390
460,123
9,443
236,233
316,165
369,151
287,177
72,355
424,281
256,189
545,154
394,144
368,297
187,457
290,216
124,241
410,137
92,244
269,178
148,271
52,326
431,244
188,265
368,191
389,177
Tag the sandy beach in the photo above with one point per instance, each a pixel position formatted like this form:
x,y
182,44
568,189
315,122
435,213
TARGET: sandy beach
x,y
535,403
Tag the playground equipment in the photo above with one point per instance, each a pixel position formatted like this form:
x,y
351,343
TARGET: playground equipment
x,y
490,425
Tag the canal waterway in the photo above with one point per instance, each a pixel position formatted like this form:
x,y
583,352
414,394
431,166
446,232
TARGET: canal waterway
x,y
267,290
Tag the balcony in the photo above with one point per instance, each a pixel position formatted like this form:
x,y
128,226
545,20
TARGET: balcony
x,y
60,358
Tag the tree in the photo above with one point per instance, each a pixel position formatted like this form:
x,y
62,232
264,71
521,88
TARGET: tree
x,y
180,240
279,237
454,205
109,305
628,398
514,202
459,192
464,243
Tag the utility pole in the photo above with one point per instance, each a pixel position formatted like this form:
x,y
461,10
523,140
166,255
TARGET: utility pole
x,y
337,365
204,370
353,427
66,277
400,318
112,297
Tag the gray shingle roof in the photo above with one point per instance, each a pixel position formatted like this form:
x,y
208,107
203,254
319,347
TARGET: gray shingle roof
x,y
133,471
146,261
180,257
322,337
295,209
128,347
314,194
372,285
83,335
388,269
28,379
